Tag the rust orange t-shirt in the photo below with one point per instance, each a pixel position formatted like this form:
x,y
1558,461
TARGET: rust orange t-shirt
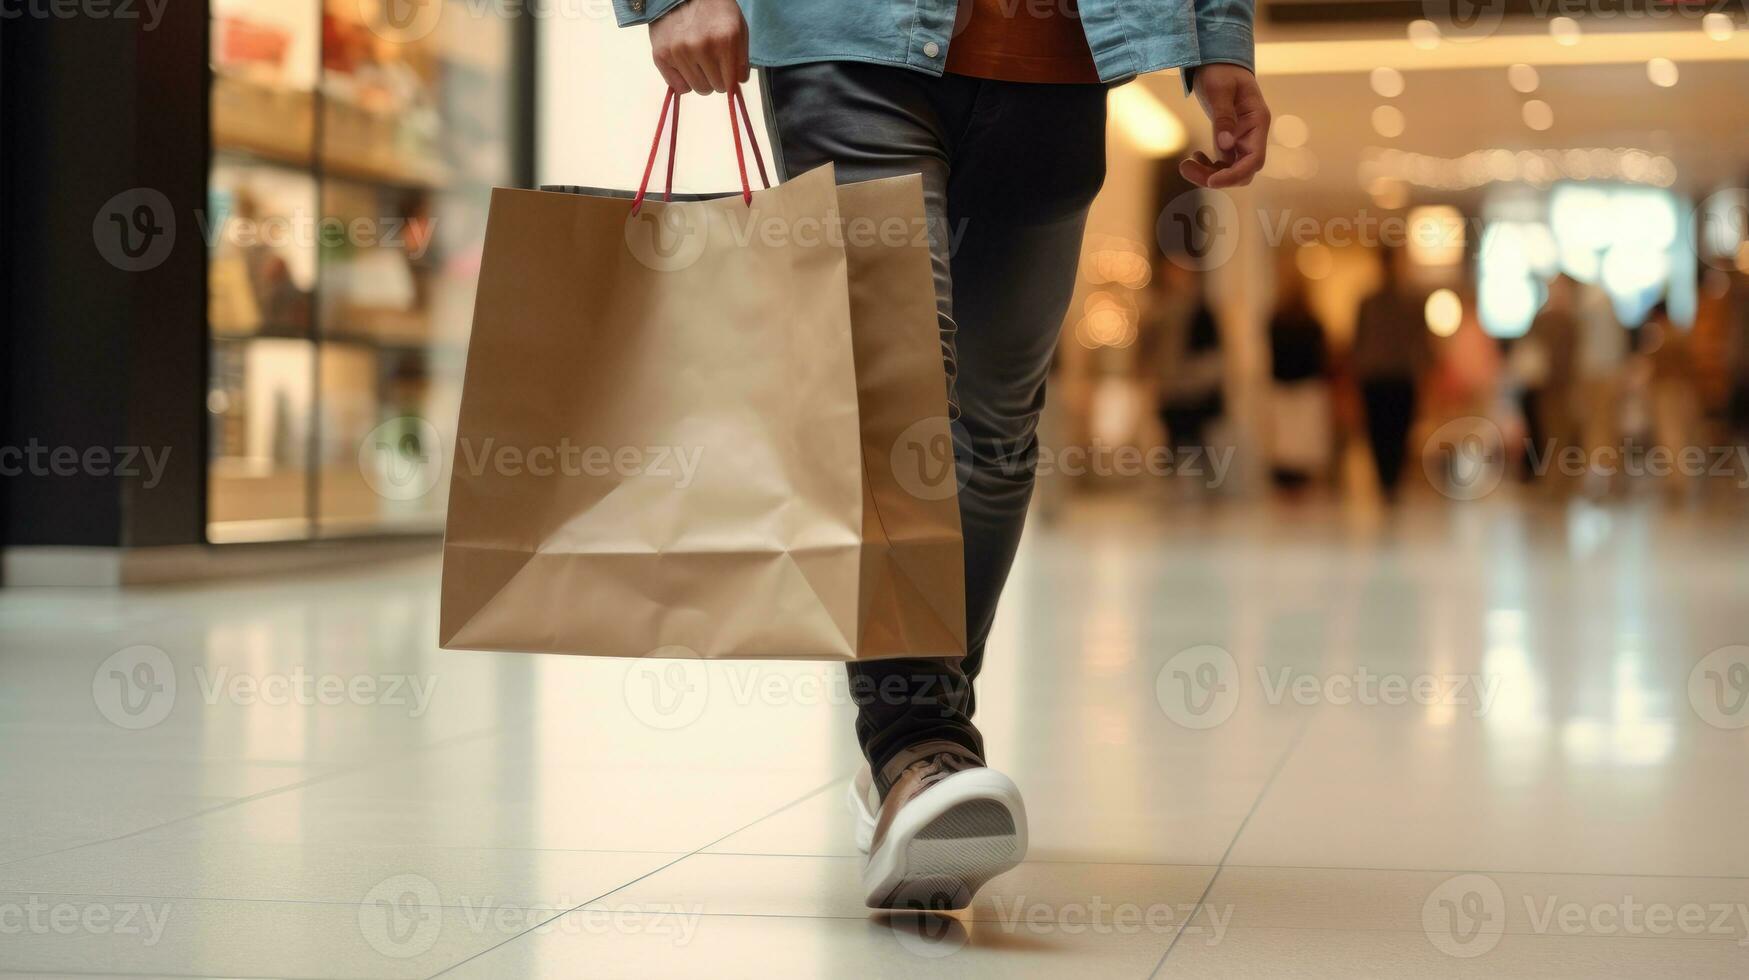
x,y
1021,41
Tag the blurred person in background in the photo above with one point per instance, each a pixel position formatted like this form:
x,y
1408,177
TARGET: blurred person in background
x,y
1736,327
1674,391
1180,364
1391,352
1299,392
1600,354
1543,361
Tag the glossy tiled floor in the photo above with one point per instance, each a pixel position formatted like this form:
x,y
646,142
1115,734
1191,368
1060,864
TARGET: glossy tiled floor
x,y
1478,740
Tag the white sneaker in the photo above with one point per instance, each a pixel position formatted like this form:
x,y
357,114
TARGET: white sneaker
x,y
864,802
947,826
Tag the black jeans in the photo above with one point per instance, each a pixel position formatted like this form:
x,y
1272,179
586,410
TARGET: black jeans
x,y
1390,408
1009,170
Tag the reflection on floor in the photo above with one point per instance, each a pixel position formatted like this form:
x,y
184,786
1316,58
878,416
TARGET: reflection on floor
x,y
1486,739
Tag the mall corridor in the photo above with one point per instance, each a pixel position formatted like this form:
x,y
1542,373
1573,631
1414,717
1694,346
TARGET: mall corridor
x,y
1487,739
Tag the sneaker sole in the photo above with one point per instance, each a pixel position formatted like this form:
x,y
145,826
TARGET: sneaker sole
x,y
941,865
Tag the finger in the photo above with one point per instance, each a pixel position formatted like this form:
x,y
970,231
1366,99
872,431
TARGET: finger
x,y
1248,157
695,78
711,64
675,80
729,70
1251,146
1198,168
1225,117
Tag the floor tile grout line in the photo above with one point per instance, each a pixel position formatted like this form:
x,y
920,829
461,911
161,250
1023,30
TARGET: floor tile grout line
x,y
7,889
266,793
810,794
1280,764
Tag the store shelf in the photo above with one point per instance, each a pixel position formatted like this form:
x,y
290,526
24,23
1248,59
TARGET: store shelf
x,y
318,340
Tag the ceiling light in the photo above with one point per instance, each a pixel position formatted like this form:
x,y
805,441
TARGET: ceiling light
x,y
1444,312
1718,26
1424,34
1565,31
1290,131
1387,82
1314,260
1662,72
1538,115
1522,78
1387,121
1150,126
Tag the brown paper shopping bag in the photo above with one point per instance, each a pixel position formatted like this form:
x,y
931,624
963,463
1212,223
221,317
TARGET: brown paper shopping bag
x,y
695,431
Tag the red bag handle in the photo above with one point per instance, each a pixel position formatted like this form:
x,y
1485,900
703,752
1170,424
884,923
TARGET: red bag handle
x,y
672,101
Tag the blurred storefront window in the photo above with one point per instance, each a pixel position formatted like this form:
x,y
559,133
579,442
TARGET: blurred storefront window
x,y
353,157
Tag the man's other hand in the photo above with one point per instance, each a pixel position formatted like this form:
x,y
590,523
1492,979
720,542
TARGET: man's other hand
x,y
1233,102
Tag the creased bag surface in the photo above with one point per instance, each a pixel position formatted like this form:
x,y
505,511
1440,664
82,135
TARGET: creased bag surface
x,y
673,444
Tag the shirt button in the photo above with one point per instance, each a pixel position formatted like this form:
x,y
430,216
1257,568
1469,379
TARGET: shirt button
x,y
637,6
930,50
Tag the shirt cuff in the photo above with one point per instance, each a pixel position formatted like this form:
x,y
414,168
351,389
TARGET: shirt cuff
x,y
630,13
1228,45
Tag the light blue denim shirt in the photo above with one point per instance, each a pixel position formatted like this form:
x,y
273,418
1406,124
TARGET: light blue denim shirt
x,y
1128,37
